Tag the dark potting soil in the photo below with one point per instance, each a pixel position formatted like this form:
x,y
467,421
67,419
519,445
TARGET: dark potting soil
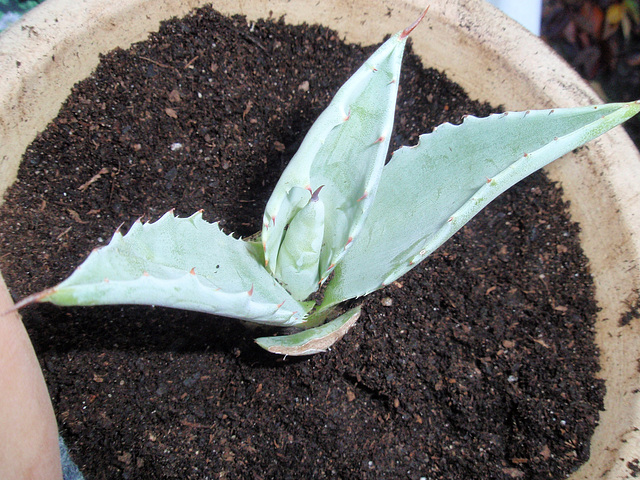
x,y
479,364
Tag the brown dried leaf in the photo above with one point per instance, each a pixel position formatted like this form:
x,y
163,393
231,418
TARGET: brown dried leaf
x,y
247,108
304,86
545,453
96,177
541,342
75,215
513,472
350,395
174,96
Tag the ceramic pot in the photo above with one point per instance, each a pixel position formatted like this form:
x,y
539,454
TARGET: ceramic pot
x,y
492,57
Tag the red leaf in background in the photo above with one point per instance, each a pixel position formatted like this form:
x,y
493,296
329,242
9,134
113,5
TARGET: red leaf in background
x,y
591,20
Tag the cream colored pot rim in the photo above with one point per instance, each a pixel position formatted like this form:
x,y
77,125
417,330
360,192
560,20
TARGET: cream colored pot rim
x,y
493,58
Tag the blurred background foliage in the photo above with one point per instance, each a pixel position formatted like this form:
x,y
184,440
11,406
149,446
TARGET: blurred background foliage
x,y
601,40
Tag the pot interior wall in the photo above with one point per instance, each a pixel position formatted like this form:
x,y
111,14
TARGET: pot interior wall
x,y
46,53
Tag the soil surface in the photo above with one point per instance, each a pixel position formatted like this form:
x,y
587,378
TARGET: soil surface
x,y
479,364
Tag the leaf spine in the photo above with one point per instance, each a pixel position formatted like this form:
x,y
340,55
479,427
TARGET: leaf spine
x,y
407,31
315,196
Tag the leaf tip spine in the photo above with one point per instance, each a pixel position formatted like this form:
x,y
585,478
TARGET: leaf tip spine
x,y
364,195
34,298
250,292
315,196
407,31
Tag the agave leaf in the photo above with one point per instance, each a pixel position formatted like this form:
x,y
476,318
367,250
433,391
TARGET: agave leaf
x,y
343,152
183,263
300,250
314,340
429,191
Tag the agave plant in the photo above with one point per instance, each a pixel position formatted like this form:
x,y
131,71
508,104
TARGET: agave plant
x,y
338,216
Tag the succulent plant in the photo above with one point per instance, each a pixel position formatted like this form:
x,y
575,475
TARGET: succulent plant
x,y
338,215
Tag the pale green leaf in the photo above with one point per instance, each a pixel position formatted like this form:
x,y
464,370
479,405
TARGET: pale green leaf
x,y
300,251
343,152
184,263
429,191
313,340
